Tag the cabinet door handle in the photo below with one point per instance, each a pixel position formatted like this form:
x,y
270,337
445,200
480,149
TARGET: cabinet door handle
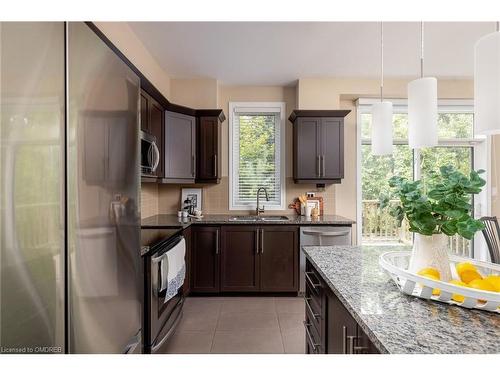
x,y
309,337
309,308
351,340
322,165
192,165
344,340
314,285
318,166
215,165
262,241
257,241
359,349
217,242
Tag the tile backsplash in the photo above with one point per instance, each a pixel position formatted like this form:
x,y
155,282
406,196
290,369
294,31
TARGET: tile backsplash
x,y
165,199
149,200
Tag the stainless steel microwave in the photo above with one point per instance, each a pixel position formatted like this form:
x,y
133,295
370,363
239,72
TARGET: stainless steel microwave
x,y
150,154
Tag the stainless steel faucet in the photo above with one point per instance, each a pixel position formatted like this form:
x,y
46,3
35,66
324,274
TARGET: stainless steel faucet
x,y
259,210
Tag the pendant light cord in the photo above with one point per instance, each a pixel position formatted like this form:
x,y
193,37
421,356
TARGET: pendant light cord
x,y
421,49
381,61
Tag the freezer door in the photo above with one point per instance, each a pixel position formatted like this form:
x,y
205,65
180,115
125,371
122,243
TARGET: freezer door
x,y
32,179
105,275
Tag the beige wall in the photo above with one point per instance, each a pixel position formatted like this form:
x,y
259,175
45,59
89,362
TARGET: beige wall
x,y
129,44
195,93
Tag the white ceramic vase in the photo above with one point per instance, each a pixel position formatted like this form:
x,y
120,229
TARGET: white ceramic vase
x,y
431,251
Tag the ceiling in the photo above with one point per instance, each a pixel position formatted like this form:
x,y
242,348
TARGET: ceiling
x,y
278,53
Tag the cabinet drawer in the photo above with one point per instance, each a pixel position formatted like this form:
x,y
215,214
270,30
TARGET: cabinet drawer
x,y
314,290
313,312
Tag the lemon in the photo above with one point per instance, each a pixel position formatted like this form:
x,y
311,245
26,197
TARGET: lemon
x,y
435,291
469,275
481,284
494,280
429,271
465,266
457,297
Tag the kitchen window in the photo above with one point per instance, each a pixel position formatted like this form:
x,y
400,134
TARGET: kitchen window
x,y
256,154
457,146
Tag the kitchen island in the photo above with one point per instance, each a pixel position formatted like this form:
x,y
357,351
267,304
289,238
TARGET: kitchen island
x,y
392,321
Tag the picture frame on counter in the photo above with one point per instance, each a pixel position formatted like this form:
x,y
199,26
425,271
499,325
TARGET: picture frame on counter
x,y
316,202
193,194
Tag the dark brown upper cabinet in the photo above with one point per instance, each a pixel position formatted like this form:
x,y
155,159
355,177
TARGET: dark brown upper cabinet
x,y
208,146
152,122
180,148
318,145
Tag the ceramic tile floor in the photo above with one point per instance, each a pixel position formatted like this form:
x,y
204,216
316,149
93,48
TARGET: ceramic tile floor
x,y
240,325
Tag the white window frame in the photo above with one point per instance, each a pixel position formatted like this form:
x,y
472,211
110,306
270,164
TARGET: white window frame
x,y
481,158
259,107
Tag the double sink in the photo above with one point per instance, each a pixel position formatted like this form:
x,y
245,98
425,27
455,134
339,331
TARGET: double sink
x,y
254,218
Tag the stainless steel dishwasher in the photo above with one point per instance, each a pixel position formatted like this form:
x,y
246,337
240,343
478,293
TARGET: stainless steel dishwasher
x,y
321,236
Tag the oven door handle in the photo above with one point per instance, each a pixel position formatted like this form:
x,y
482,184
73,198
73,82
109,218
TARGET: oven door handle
x,y
170,331
164,251
158,259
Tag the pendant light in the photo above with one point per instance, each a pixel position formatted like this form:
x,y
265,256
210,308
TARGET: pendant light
x,y
422,106
487,84
382,113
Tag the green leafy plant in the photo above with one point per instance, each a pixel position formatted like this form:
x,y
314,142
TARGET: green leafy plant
x,y
440,205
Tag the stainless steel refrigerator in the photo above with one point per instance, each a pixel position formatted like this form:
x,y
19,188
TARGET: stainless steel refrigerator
x,y
70,270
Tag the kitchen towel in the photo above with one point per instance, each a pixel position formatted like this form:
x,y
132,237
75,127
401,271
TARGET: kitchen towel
x,y
174,284
173,268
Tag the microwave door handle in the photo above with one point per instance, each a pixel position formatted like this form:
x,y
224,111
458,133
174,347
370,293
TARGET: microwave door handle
x,y
156,156
150,155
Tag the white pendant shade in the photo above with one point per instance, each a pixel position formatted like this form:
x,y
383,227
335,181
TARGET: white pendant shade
x,y
422,112
487,84
382,128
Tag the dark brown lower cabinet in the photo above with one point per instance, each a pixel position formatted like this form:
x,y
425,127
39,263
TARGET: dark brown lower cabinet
x,y
342,328
259,259
205,262
330,328
279,259
240,271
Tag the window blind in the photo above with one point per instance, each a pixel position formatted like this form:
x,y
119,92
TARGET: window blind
x,y
256,156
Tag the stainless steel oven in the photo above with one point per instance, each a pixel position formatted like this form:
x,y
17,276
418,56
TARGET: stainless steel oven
x,y
160,316
150,154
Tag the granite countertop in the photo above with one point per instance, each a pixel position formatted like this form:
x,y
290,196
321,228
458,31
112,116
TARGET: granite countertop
x,y
172,221
395,322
